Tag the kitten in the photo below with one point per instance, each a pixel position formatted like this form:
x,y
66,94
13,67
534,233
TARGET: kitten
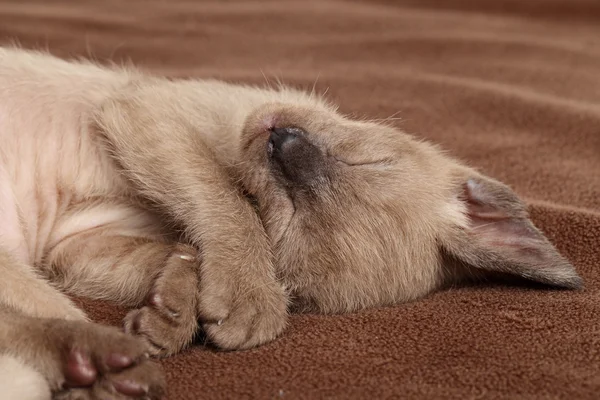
x,y
292,204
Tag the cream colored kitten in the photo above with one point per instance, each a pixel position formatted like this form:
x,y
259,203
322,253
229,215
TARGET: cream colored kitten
x,y
110,180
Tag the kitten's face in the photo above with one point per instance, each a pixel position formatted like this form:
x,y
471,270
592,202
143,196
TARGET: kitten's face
x,y
361,214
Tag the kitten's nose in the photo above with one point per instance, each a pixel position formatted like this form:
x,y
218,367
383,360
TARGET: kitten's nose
x,y
298,160
281,139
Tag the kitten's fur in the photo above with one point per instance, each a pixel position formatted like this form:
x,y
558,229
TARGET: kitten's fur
x,y
351,214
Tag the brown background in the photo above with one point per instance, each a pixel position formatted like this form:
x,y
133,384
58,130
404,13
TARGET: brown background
x,y
511,86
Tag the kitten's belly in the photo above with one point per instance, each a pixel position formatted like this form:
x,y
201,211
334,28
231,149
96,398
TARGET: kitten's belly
x,y
49,163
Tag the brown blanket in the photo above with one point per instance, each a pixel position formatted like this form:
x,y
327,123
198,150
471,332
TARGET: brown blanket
x,y
511,86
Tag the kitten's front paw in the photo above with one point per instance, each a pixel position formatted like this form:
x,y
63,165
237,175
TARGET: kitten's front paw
x,y
169,321
237,317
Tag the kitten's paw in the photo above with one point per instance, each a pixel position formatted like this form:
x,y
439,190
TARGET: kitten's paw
x,y
99,362
130,384
169,321
234,318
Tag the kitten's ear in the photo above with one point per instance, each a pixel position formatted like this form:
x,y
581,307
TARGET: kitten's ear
x,y
500,238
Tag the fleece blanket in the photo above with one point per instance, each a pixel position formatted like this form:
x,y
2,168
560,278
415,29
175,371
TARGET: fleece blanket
x,y
510,86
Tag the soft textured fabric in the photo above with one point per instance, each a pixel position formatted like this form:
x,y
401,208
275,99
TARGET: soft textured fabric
x,y
510,86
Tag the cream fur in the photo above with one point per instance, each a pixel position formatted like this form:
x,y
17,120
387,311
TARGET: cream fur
x,y
22,382
121,186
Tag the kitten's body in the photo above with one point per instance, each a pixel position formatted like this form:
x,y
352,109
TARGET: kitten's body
x,y
57,182
49,166
347,220
54,179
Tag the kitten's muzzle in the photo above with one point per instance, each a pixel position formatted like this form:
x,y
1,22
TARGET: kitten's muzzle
x,y
290,152
281,138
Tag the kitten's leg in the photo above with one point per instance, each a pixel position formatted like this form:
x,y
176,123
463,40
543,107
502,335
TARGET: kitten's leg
x,y
23,290
161,277
241,302
49,335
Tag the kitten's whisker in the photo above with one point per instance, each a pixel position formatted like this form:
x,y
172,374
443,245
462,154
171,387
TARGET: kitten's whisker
x,y
394,114
312,92
266,79
280,83
482,226
384,119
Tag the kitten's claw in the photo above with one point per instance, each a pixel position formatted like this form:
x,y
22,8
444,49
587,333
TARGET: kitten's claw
x,y
186,257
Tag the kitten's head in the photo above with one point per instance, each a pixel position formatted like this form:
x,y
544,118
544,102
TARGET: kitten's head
x,y
361,214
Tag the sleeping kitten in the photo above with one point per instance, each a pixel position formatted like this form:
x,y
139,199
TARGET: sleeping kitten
x,y
292,204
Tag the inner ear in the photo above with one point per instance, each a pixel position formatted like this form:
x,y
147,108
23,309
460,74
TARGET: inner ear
x,y
500,238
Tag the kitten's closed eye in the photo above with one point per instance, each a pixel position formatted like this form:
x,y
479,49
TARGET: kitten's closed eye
x,y
381,163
